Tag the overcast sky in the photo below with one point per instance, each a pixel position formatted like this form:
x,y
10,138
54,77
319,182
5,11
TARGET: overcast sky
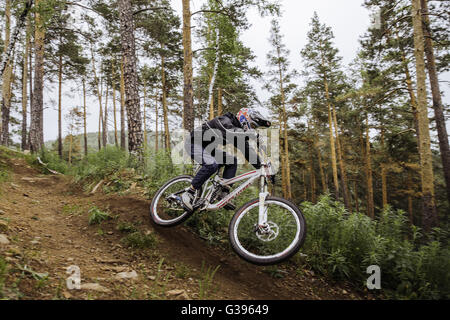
x,y
347,18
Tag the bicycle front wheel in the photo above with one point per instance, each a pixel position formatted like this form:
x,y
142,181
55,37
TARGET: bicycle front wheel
x,y
166,209
280,239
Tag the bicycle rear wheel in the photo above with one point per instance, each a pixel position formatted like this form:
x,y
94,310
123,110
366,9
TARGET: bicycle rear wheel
x,y
166,209
281,239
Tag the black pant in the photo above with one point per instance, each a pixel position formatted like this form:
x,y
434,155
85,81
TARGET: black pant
x,y
211,164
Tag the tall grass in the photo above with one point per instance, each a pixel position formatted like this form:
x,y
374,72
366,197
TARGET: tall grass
x,y
52,160
101,164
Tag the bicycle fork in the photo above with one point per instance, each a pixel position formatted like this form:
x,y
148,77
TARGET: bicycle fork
x,y
262,214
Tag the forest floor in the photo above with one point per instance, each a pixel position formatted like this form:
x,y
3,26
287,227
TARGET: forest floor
x,y
44,229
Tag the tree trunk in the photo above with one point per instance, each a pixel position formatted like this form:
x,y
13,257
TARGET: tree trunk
x,y
161,131
105,120
410,198
84,118
345,193
70,148
26,53
369,179
332,143
312,177
156,122
164,104
6,79
211,107
99,96
100,116
410,88
283,158
219,102
145,117
116,141
333,153
355,191
285,133
132,104
427,176
30,75
60,66
437,99
213,77
305,189
383,175
122,107
286,152
188,91
37,107
319,160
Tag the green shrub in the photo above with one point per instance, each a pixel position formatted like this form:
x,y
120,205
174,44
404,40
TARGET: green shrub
x,y
139,240
4,175
338,244
3,274
126,227
52,161
101,164
96,215
343,245
158,169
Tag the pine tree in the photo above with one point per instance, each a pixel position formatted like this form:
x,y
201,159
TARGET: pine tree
x,y
161,28
324,81
65,55
224,75
282,76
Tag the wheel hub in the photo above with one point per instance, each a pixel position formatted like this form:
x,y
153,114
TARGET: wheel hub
x,y
267,232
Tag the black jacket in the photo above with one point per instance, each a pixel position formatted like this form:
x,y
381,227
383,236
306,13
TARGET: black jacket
x,y
226,129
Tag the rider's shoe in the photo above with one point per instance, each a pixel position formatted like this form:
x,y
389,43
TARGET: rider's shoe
x,y
189,198
230,205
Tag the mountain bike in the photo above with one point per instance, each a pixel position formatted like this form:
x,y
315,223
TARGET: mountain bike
x,y
264,231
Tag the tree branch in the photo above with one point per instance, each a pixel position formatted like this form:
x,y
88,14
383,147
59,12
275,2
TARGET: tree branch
x,y
202,49
82,6
148,9
210,11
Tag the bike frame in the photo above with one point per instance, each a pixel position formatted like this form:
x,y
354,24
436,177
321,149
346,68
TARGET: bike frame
x,y
249,178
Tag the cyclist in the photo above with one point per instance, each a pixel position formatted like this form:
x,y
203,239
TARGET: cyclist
x,y
225,129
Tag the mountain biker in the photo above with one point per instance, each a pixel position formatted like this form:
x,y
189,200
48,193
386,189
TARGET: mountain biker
x,y
222,130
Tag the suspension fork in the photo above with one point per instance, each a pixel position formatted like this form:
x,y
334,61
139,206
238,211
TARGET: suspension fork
x,y
263,193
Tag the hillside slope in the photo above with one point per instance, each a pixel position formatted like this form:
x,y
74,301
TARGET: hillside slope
x,y
45,229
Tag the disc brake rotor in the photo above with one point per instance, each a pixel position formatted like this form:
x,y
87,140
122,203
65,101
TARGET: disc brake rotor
x,y
269,232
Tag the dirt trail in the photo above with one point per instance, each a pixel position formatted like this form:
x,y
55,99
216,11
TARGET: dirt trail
x,y
45,221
